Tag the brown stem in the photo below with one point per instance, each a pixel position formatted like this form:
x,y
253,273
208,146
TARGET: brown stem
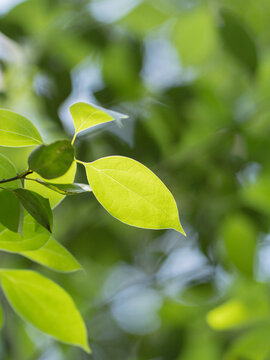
x,y
17,177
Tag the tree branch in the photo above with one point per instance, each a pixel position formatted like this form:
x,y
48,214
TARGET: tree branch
x,y
17,177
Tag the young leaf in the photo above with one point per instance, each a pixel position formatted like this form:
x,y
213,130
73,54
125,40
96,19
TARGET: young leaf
x,y
33,237
45,305
132,193
37,206
53,160
86,116
10,210
66,189
238,40
16,130
55,256
45,191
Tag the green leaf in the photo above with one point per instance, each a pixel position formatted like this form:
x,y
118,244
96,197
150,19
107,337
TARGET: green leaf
x,y
238,40
33,237
252,345
195,27
8,170
45,305
66,189
86,116
53,160
46,192
55,256
132,193
37,206
239,233
10,210
16,130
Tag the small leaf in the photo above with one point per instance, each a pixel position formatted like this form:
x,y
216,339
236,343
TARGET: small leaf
x,y
45,305
86,116
132,193
238,40
10,210
55,256
37,206
53,160
16,130
46,192
33,237
66,189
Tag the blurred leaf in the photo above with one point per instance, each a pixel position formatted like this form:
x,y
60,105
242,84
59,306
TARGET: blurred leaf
x,y
256,193
252,345
228,315
37,206
33,237
46,192
53,160
55,256
194,36
238,40
45,305
132,193
200,343
145,17
240,241
10,210
85,116
16,130
121,68
66,189
250,306
1,317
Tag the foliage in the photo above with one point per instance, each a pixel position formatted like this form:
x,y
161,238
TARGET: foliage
x,y
126,188
193,76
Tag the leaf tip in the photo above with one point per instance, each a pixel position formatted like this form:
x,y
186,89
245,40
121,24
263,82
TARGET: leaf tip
x,y
180,229
87,348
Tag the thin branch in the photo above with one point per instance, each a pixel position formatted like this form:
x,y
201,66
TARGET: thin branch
x,y
17,177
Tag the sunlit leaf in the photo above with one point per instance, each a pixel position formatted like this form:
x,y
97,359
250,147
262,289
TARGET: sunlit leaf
x,y
55,256
33,237
228,315
37,206
16,130
238,40
53,160
45,305
132,193
250,308
85,116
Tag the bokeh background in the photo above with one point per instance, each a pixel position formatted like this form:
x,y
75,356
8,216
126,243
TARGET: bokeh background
x,y
193,77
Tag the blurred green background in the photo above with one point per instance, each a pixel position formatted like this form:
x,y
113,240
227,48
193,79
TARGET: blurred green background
x,y
193,76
